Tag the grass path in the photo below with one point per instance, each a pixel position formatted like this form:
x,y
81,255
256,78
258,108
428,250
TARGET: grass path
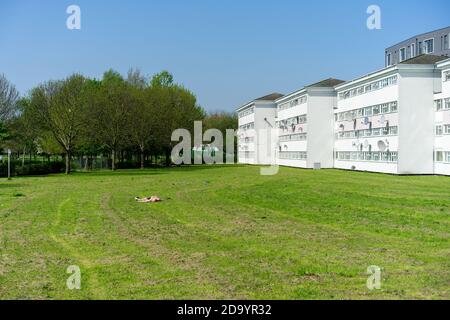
x,y
97,291
225,233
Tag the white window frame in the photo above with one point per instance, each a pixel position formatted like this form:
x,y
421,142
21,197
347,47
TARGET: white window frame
x,y
388,59
425,47
412,50
446,129
446,76
400,54
439,130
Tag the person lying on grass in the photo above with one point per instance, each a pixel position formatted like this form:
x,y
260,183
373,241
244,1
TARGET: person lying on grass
x,y
148,199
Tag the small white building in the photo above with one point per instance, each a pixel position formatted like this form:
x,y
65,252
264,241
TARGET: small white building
x,y
305,126
442,120
384,122
257,118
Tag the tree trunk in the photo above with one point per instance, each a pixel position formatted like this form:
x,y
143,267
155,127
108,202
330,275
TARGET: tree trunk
x,y
142,158
68,164
168,160
23,158
113,160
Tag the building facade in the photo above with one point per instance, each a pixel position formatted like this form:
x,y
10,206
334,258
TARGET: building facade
x,y
396,121
442,121
436,43
304,122
257,117
384,121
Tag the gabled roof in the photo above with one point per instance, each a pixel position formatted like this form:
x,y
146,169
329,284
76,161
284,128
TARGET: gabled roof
x,y
328,83
424,59
270,97
418,36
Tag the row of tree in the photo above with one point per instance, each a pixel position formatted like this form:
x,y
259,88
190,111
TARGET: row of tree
x,y
85,117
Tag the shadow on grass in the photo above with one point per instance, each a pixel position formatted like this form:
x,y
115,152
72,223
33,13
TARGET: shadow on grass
x,y
5,184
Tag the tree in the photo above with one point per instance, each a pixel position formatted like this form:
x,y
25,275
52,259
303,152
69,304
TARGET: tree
x,y
177,108
3,133
110,113
162,79
136,79
59,107
221,121
8,99
144,117
23,134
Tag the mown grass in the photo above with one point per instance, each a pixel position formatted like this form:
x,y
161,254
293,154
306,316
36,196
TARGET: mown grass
x,y
225,233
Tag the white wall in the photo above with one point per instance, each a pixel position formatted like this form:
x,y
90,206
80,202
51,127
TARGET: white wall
x,y
385,95
416,121
266,134
321,104
442,143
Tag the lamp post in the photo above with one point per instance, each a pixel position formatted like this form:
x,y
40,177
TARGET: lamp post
x,y
9,164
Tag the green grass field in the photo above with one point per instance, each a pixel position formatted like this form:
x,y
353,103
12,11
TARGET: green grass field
x,y
225,233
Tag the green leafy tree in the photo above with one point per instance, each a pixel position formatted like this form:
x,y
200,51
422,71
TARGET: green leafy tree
x,y
60,108
110,113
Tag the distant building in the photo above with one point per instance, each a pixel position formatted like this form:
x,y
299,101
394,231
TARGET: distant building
x,y
256,116
442,120
395,120
384,121
305,126
435,42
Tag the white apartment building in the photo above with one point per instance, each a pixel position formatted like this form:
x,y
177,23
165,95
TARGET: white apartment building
x,y
256,117
384,121
442,121
305,126
396,121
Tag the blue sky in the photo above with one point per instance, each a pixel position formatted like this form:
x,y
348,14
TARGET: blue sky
x,y
226,51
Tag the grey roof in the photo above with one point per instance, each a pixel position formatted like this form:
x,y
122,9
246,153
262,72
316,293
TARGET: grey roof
x,y
328,83
418,36
424,59
270,97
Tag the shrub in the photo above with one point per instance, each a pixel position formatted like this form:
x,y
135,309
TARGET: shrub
x,y
31,169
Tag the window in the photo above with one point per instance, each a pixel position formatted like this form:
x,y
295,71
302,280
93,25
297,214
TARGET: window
x,y
297,155
447,129
438,104
439,156
446,76
413,50
394,107
376,85
447,103
428,46
376,110
388,59
446,43
246,112
402,54
420,48
439,130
